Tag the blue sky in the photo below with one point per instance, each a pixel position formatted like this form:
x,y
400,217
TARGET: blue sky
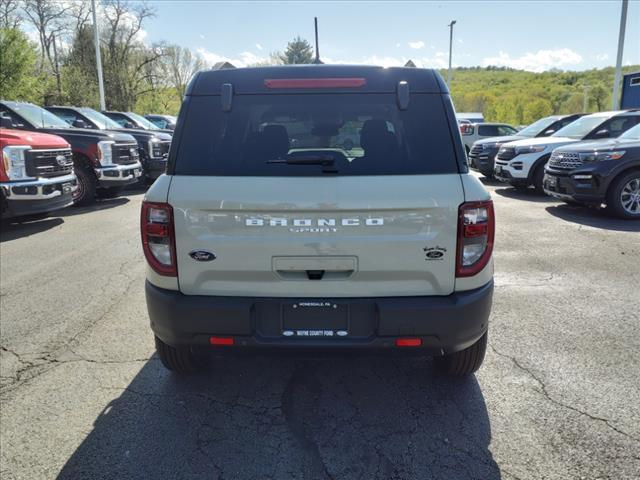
x,y
535,36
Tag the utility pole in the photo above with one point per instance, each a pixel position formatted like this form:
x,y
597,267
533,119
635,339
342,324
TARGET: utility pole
x,y
96,40
616,82
317,60
585,102
57,68
453,22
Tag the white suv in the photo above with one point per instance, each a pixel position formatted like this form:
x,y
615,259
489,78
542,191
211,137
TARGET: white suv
x,y
269,233
521,163
472,132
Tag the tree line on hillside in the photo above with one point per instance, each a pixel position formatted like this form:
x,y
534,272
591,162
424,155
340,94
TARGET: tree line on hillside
x,y
59,67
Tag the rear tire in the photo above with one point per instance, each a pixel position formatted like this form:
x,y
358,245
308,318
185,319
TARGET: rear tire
x,y
464,362
620,196
177,359
85,194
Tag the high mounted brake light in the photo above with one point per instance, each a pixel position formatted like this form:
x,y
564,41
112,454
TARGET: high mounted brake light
x,y
315,82
158,238
476,231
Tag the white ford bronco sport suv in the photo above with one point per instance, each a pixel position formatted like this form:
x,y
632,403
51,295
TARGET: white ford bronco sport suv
x,y
270,232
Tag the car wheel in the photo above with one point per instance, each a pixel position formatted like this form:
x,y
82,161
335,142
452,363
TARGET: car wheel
x,y
177,359
538,179
465,361
623,197
85,194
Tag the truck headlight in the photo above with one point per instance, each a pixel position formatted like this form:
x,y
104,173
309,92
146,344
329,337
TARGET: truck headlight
x,y
530,149
154,148
13,162
601,156
490,146
105,152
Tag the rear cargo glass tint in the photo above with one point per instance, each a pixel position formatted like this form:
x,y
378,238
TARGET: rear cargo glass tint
x,y
359,134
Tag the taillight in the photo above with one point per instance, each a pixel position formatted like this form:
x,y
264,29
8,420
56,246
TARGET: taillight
x,y
466,129
476,231
158,238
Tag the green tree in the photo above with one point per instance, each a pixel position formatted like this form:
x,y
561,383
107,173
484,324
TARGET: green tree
x,y
79,74
298,51
600,96
18,67
536,109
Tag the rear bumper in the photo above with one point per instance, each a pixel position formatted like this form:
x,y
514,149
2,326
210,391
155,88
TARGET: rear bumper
x,y
38,196
445,324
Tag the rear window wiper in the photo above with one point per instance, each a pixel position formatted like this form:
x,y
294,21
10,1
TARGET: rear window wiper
x,y
324,160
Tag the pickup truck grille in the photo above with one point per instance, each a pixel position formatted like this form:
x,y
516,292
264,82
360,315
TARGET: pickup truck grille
x,y
565,160
506,153
49,163
476,150
125,153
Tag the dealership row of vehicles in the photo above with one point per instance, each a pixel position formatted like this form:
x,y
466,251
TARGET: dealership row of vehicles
x,y
62,155
580,159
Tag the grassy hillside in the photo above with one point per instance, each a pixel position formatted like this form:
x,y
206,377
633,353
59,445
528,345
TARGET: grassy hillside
x,y
519,97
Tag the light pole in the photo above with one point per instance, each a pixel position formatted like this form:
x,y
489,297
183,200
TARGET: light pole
x,y
453,22
616,83
96,39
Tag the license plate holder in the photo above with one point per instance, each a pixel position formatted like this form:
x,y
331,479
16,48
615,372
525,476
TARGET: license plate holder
x,y
315,318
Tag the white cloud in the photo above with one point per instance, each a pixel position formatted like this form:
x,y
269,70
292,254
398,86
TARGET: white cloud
x,y
417,45
258,46
536,62
242,60
372,60
397,45
601,57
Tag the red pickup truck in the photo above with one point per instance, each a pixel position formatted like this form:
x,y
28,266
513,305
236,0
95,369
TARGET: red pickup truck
x,y
36,173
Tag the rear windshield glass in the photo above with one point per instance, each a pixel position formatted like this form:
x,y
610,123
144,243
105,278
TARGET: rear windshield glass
x,y
292,135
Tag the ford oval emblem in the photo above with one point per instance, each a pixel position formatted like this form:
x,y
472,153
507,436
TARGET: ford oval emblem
x,y
435,254
202,255
61,160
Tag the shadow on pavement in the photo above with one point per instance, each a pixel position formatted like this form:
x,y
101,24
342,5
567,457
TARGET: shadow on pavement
x,y
593,217
528,194
102,204
292,417
14,231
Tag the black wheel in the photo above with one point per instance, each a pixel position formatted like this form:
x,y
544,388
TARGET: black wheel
x,y
110,192
85,194
538,179
465,361
623,197
177,359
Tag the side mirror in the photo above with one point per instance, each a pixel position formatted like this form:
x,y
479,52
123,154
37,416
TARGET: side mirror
x,y
79,123
604,133
129,125
6,122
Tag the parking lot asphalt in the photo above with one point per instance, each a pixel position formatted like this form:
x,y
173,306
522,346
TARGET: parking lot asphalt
x,y
84,397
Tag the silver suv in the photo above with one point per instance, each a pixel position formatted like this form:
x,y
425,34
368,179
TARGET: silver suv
x,y
271,232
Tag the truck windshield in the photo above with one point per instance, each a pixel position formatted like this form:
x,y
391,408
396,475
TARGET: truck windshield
x,y
272,135
102,121
142,121
38,116
580,128
631,134
537,127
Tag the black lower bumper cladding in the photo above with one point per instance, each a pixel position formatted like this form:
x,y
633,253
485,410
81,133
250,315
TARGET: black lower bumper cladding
x,y
444,324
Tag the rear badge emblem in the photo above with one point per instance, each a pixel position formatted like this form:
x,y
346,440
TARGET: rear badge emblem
x,y
202,255
434,253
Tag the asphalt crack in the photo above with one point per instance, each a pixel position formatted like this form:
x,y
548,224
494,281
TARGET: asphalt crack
x,y
543,390
300,379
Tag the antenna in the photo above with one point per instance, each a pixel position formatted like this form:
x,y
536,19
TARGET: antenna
x,y
317,61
